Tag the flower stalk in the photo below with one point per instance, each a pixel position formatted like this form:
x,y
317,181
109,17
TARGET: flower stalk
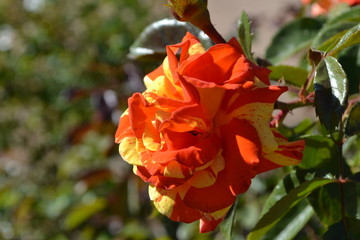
x,y
196,13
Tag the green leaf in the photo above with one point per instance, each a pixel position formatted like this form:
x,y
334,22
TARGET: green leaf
x,y
282,188
244,32
283,206
228,224
82,212
292,75
330,42
326,203
152,42
350,38
321,153
330,83
351,198
294,133
352,126
352,154
292,223
335,28
353,15
328,31
349,58
293,37
345,229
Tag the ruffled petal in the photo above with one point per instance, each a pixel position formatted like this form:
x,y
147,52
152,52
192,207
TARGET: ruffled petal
x,y
204,198
198,73
140,114
211,220
127,150
124,129
208,176
171,205
189,118
241,154
197,155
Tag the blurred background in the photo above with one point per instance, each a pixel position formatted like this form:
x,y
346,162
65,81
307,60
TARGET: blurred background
x,y
64,81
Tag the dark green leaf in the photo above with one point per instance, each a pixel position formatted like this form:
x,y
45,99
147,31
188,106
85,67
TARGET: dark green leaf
x,y
328,31
283,206
336,28
355,177
152,42
294,133
293,37
292,75
345,229
330,85
279,191
351,37
284,186
326,203
292,223
321,153
327,44
350,60
244,32
352,126
351,198
228,224
352,154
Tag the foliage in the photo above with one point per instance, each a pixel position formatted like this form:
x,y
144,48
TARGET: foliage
x,y
65,75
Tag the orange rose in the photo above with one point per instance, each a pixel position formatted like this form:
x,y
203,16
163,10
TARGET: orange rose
x,y
200,132
320,7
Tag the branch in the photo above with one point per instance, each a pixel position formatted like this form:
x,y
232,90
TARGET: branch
x,y
285,108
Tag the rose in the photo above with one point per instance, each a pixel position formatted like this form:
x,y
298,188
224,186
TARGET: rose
x,y
200,132
320,7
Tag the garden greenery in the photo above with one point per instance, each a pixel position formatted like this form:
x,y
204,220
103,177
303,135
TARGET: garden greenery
x,y
67,69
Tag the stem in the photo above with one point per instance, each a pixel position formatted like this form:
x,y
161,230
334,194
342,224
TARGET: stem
x,y
342,180
285,108
213,34
307,83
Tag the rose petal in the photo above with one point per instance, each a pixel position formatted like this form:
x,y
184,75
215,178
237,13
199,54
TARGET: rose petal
x,y
241,150
195,155
208,225
123,129
139,114
170,204
208,176
206,199
211,220
259,95
189,118
127,150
